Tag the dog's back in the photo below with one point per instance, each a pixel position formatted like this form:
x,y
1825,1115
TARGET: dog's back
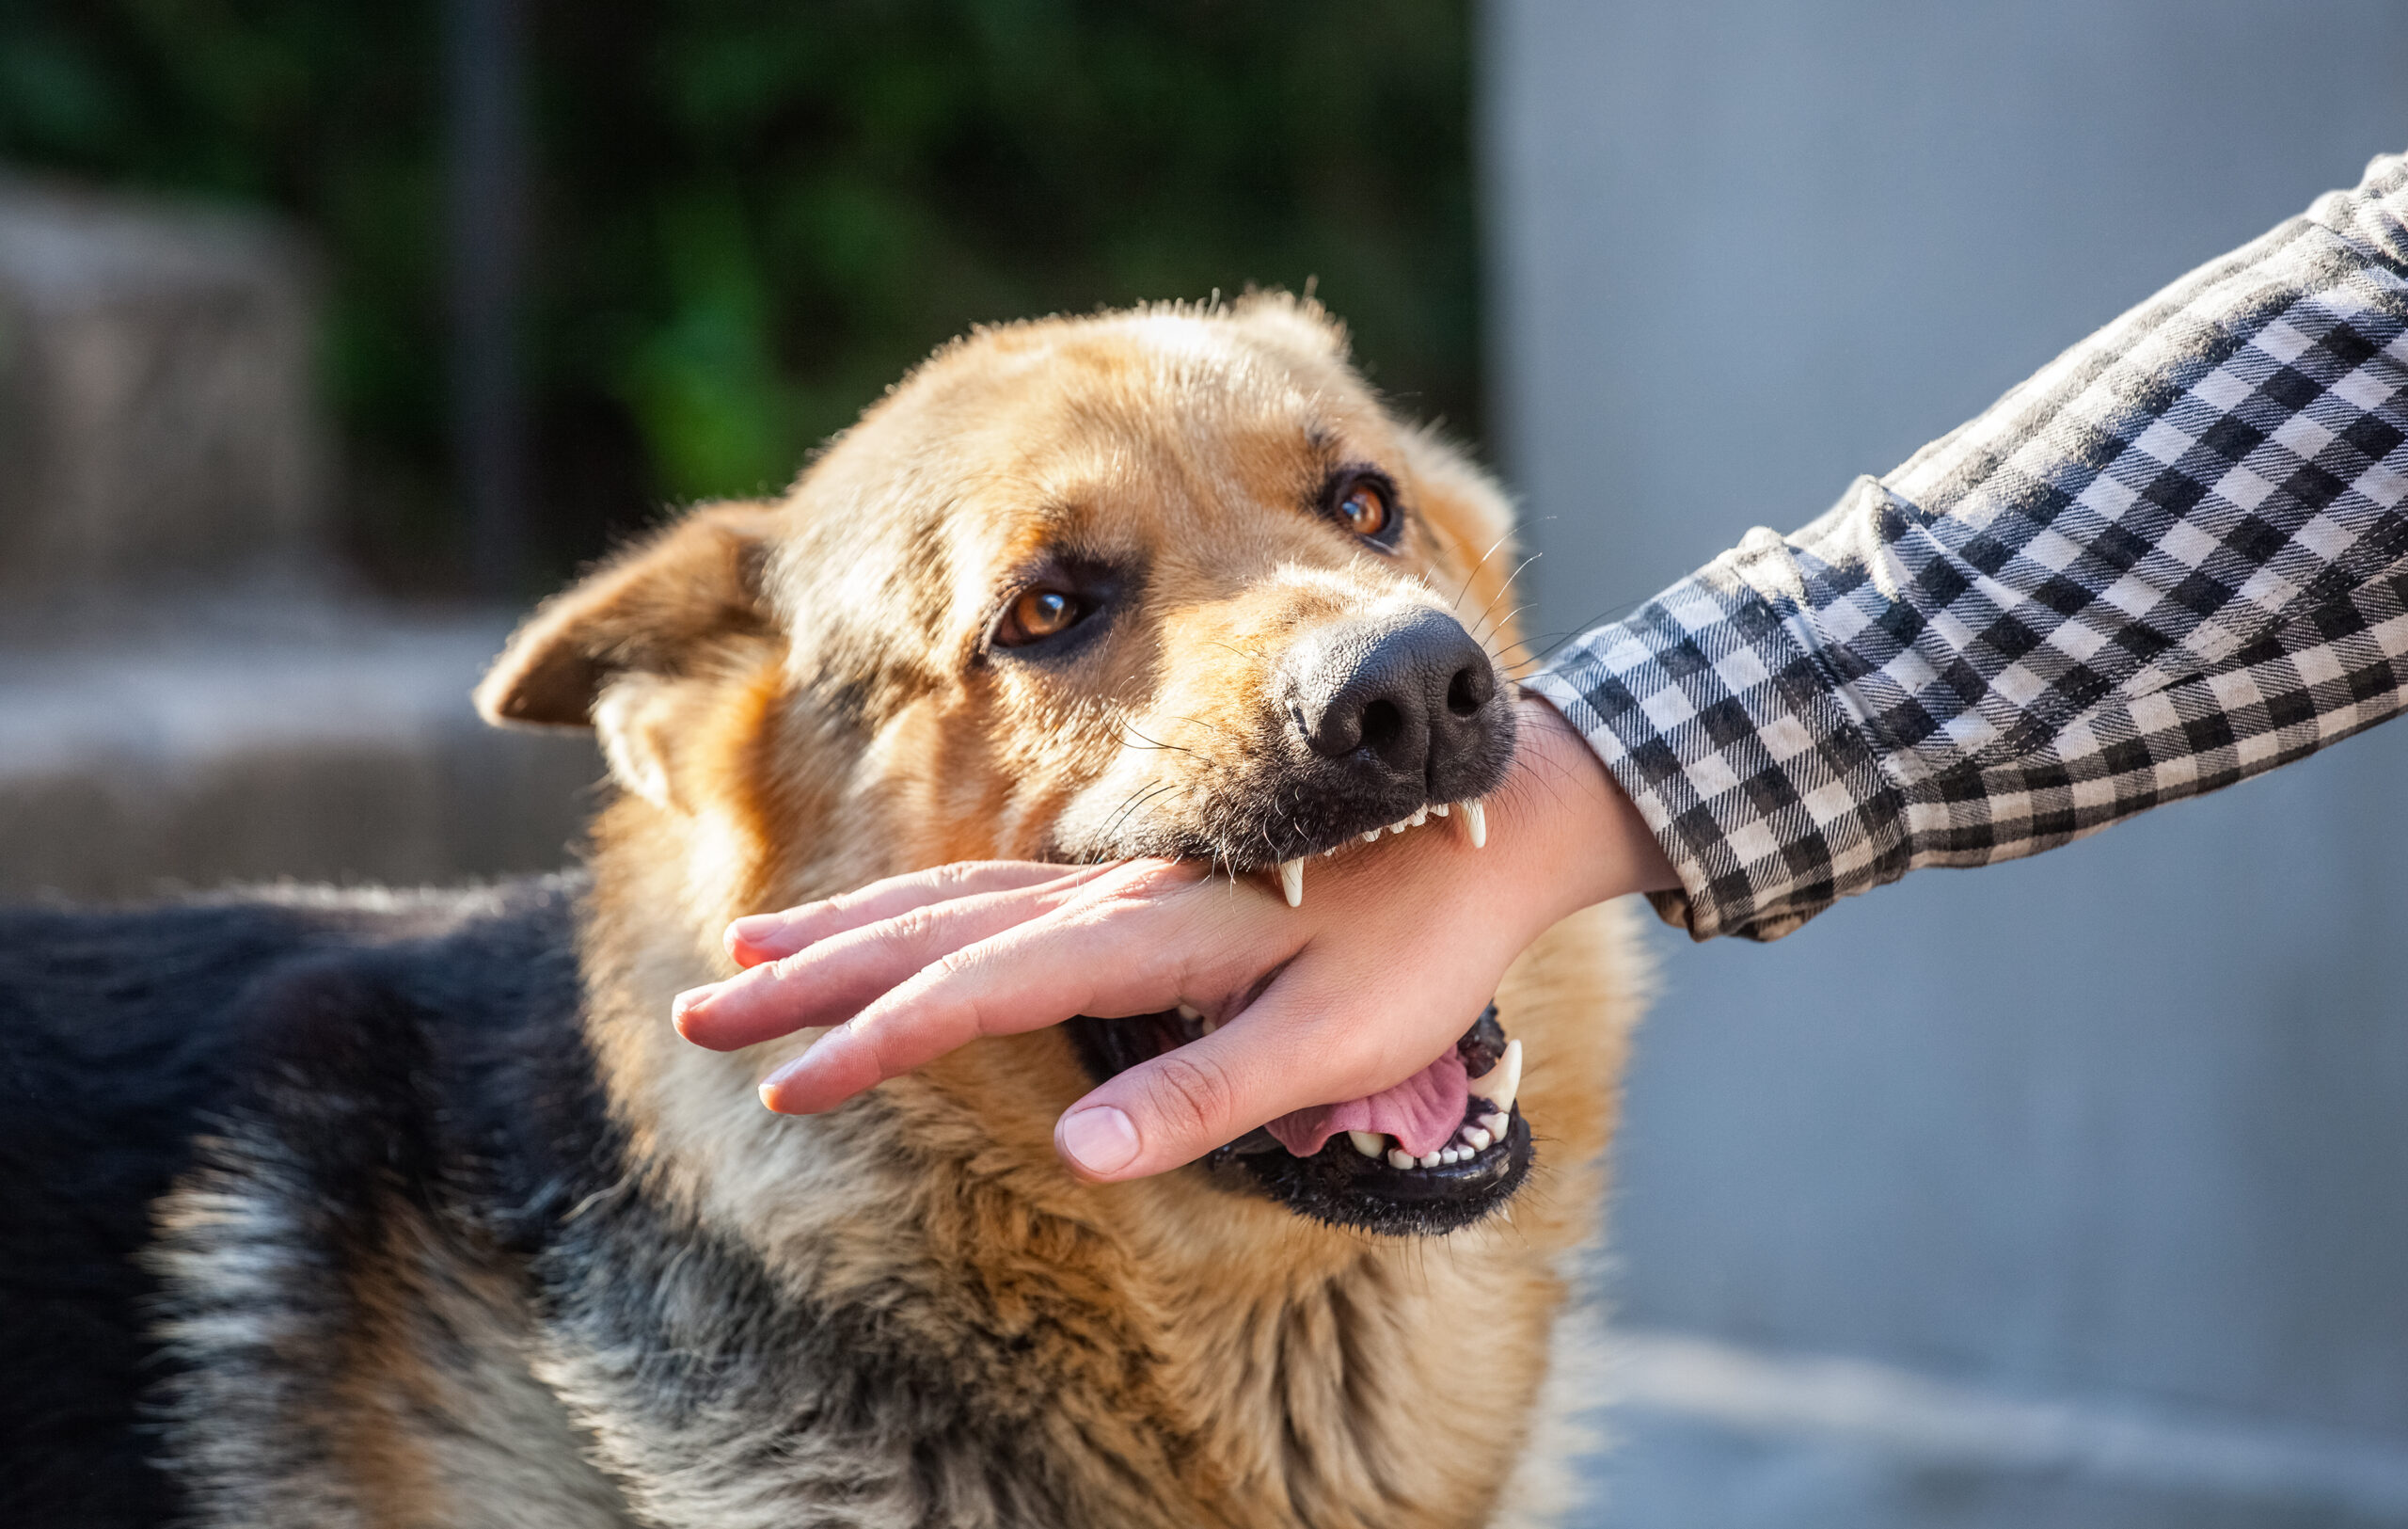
x,y
127,1038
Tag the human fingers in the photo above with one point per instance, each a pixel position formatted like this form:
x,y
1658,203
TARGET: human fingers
x,y
767,937
1129,947
829,979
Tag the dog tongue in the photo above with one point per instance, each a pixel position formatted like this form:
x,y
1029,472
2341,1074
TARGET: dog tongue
x,y
1421,1112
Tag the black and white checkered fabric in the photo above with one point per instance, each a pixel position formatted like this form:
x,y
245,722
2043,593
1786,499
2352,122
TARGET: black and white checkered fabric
x,y
2174,558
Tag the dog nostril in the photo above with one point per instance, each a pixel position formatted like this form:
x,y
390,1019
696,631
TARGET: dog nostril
x,y
1467,692
1382,724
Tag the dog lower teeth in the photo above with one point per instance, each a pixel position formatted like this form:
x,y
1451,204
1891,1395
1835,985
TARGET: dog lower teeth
x,y
1469,1142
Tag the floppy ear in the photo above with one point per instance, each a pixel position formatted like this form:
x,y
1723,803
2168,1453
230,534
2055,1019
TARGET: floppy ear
x,y
594,654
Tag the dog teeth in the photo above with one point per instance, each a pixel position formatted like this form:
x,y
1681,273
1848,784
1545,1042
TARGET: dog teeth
x,y
1497,1125
1468,1143
1188,1010
1291,881
1500,1083
1475,822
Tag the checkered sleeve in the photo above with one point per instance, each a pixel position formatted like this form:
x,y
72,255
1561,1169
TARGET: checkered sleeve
x,y
2174,558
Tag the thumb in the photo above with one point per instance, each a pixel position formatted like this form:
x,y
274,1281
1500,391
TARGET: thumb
x,y
1175,1107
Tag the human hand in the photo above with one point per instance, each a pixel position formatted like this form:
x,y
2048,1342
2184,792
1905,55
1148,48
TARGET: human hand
x,y
1383,967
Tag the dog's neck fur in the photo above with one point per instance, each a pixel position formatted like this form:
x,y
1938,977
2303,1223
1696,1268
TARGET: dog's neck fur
x,y
1246,1366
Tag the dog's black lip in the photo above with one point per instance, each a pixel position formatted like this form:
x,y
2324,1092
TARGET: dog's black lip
x,y
1338,1184
1342,1186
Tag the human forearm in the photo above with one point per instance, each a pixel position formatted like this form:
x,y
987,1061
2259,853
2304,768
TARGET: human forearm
x,y
2168,560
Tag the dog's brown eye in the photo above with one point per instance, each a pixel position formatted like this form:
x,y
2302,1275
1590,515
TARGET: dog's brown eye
x,y
1363,510
1039,614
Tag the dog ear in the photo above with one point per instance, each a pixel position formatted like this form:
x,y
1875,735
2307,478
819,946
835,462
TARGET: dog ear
x,y
591,655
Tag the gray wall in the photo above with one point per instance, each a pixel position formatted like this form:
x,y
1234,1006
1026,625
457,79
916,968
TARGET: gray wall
x,y
2125,1126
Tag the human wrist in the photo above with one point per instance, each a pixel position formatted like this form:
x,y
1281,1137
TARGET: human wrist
x,y
1575,835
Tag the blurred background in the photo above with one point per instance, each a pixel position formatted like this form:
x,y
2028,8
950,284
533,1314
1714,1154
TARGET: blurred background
x,y
2073,1193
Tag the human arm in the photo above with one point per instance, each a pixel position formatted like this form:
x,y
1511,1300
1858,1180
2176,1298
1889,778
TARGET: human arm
x,y
2169,561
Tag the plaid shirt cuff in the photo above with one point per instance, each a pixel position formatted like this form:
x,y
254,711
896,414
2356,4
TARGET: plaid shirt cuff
x,y
1733,743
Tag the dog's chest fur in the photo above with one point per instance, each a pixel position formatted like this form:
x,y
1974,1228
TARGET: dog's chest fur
x,y
413,1279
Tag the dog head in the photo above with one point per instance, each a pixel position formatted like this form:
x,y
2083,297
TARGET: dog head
x,y
1169,582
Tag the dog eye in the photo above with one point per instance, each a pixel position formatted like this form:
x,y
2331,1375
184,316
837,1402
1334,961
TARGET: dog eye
x,y
1365,510
1035,615
1363,504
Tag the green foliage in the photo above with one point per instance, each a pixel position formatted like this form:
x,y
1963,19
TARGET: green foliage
x,y
751,216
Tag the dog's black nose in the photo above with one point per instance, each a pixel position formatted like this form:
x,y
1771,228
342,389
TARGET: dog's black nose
x,y
1412,693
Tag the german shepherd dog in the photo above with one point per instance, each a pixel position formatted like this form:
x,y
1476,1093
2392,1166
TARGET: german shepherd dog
x,y
410,1209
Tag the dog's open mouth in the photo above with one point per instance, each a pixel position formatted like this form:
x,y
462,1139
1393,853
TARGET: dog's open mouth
x,y
1436,1152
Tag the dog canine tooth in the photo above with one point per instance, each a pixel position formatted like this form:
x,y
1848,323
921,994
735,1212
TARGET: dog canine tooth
x,y
1476,823
1500,1083
1291,881
1399,1158
1369,1143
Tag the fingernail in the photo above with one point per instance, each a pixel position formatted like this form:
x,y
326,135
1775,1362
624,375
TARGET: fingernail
x,y
1099,1139
686,1004
753,928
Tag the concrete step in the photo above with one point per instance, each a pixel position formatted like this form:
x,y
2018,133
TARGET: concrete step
x,y
271,734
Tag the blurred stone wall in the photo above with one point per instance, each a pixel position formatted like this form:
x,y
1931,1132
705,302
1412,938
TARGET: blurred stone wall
x,y
2068,1192
189,691
158,417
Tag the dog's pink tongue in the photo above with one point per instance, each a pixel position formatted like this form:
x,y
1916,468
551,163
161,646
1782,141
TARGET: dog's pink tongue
x,y
1422,1112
